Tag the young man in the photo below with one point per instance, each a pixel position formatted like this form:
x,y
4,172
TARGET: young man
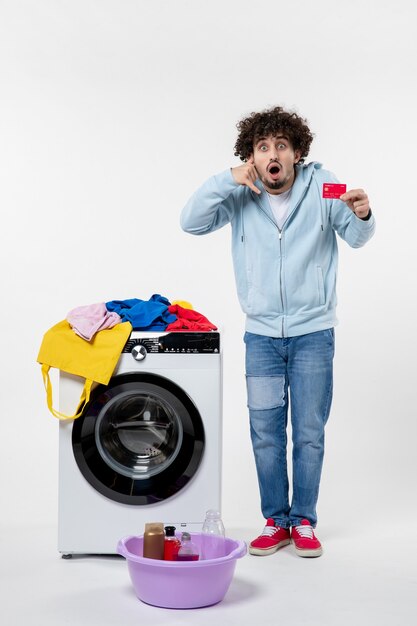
x,y
285,262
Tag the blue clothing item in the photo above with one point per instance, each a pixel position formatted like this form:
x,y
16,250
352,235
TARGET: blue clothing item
x,y
286,279
300,367
144,315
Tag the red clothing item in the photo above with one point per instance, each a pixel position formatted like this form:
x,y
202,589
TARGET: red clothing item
x,y
188,319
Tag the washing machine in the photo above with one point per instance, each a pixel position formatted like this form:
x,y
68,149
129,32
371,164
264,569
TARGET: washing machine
x,y
148,445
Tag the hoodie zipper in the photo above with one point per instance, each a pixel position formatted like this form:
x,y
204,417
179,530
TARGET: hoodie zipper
x,y
280,233
280,277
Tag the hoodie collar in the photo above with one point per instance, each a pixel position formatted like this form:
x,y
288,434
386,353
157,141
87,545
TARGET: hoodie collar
x,y
303,174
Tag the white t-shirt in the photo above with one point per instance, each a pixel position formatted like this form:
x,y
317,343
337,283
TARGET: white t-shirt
x,y
280,204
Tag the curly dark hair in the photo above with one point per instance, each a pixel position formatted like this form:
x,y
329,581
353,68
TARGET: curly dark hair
x,y
271,122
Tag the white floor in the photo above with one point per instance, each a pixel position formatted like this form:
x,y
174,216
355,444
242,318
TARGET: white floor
x,y
358,580
364,577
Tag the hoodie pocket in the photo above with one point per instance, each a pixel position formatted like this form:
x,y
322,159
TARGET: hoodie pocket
x,y
320,285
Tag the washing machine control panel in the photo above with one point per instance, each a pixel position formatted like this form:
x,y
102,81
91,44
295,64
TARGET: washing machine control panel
x,y
174,343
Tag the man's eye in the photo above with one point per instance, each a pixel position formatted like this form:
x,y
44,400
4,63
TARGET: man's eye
x,y
281,146
263,148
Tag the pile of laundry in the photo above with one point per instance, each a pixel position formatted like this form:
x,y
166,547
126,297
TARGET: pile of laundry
x,y
155,314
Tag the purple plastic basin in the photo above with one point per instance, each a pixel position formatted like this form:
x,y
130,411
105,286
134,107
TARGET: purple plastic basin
x,y
186,584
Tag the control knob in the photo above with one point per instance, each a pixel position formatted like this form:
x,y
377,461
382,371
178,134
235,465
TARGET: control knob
x,y
139,352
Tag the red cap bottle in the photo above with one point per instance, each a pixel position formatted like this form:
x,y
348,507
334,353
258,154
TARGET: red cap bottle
x,y
171,544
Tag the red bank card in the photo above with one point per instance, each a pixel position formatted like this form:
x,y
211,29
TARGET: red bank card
x,y
333,190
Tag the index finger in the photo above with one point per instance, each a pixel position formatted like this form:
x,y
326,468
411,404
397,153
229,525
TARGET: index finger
x,y
253,187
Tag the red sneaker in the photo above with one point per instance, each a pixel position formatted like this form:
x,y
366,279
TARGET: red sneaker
x,y
271,539
305,541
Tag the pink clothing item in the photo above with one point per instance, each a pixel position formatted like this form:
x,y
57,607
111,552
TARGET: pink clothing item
x,y
87,320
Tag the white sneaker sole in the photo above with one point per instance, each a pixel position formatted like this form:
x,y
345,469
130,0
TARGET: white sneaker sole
x,y
266,551
309,553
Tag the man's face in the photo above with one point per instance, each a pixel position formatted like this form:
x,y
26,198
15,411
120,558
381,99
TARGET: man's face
x,y
274,159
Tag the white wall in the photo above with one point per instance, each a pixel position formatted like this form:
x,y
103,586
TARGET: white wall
x,y
112,113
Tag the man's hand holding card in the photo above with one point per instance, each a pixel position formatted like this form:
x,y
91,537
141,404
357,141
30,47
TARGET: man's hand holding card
x,y
356,199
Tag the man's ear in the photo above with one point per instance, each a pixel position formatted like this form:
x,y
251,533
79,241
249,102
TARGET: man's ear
x,y
250,159
297,156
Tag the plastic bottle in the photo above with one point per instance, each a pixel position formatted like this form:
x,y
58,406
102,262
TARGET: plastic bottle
x,y
172,544
153,540
213,542
188,550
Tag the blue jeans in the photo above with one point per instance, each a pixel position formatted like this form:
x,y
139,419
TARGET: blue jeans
x,y
299,369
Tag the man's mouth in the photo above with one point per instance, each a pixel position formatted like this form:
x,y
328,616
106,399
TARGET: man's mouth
x,y
274,170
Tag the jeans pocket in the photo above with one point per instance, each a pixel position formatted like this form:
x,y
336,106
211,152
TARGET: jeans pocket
x,y
330,334
265,392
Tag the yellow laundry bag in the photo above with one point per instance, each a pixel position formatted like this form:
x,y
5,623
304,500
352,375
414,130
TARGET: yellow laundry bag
x,y
93,360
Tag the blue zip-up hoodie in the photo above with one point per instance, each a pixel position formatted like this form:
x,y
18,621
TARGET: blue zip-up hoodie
x,y
286,280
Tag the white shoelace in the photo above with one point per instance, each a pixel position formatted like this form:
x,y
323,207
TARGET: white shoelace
x,y
305,531
268,531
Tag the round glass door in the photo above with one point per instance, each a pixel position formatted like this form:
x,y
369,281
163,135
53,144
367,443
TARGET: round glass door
x,y
140,439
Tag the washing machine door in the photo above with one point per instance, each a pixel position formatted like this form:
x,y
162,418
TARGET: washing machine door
x,y
140,439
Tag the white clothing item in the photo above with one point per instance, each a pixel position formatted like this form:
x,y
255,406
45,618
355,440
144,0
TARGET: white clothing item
x,y
280,204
